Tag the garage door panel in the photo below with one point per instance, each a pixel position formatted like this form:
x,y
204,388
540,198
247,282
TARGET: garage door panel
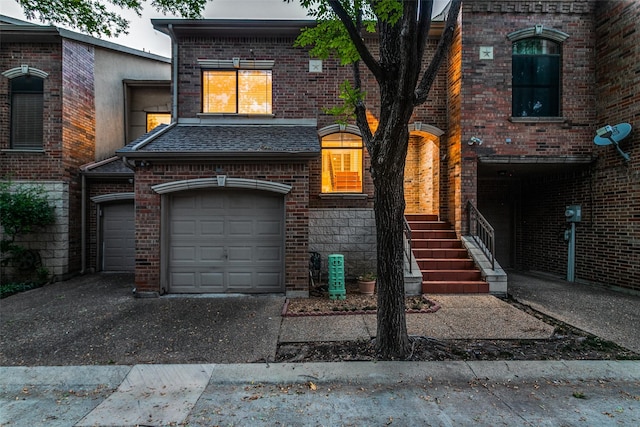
x,y
239,228
268,253
212,228
237,241
183,202
187,254
182,278
240,254
183,228
211,253
212,281
269,228
265,280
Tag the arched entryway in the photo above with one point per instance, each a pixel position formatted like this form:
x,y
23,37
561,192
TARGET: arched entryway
x,y
422,170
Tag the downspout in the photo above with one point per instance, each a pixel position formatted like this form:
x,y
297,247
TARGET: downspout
x,y
83,222
174,72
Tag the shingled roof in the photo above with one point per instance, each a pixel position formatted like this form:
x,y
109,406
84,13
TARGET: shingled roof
x,y
180,140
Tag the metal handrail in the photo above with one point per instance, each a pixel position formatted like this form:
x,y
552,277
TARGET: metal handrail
x,y
482,232
407,248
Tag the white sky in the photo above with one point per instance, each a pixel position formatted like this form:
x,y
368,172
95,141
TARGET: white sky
x,y
142,36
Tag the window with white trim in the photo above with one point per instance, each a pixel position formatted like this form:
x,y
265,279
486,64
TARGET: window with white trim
x,y
342,163
27,105
536,78
240,91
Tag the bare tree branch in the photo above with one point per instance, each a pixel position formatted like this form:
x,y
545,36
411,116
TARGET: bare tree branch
x,y
445,41
424,25
356,37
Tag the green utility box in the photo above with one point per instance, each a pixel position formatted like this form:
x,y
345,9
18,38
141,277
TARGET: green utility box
x,y
336,277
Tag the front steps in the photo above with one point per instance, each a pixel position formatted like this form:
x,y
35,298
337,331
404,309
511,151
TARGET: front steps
x,y
445,264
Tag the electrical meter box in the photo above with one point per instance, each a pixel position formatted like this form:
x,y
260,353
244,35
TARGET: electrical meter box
x,y
573,213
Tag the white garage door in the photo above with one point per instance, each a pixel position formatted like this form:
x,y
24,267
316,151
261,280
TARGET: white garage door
x,y
226,241
118,237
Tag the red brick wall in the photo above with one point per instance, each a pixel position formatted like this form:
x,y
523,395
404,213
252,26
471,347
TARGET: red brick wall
x,y
78,132
450,151
486,87
600,60
297,93
148,215
33,166
100,187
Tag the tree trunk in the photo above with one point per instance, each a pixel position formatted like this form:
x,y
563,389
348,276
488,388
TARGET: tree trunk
x,y
392,340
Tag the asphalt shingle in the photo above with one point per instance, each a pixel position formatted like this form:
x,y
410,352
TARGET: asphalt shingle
x,y
228,139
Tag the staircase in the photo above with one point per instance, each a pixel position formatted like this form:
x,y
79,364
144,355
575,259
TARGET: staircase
x,y
445,264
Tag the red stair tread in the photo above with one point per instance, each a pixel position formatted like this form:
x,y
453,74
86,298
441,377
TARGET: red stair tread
x,y
444,262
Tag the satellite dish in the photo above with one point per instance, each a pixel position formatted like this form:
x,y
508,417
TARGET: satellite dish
x,y
608,135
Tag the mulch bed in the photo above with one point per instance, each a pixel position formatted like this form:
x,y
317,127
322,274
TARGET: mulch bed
x,y
319,304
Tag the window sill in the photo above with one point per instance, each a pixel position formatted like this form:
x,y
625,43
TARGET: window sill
x,y
235,115
538,119
352,196
21,151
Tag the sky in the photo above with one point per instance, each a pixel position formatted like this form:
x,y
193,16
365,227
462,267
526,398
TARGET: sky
x,y
142,36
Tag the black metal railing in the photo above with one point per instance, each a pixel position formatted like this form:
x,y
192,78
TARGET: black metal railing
x,y
407,244
482,232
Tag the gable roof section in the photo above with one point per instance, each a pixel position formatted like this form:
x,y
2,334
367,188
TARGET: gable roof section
x,y
111,167
193,142
15,30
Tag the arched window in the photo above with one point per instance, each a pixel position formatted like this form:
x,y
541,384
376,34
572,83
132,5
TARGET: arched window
x,y
27,112
536,78
342,163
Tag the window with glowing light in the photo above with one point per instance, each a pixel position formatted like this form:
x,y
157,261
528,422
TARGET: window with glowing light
x,y
236,91
536,78
27,106
155,119
342,155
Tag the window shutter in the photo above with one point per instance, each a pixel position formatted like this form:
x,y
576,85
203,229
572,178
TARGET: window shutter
x,y
27,121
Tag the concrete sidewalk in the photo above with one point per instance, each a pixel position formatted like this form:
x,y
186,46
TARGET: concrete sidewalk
x,y
325,394
479,393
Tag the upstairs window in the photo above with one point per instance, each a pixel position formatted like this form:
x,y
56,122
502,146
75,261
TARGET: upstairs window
x,y
27,105
237,91
536,78
155,119
342,163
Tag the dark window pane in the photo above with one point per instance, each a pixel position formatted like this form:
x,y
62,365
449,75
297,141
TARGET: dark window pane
x,y
536,81
26,112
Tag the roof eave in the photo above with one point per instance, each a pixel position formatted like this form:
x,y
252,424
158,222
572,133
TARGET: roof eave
x,y
207,156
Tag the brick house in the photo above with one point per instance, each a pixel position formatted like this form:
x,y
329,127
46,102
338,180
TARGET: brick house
x,y
69,100
533,164
252,174
252,163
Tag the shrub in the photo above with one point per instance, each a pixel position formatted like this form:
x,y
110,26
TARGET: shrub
x,y
23,210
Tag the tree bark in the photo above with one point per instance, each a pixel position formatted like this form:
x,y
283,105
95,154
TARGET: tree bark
x,y
392,339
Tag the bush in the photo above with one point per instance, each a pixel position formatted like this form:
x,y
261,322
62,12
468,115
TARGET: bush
x,y
23,210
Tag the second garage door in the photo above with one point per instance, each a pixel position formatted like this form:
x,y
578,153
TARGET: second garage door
x,y
118,237
226,241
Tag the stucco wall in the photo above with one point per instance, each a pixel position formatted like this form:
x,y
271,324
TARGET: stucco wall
x,y
111,68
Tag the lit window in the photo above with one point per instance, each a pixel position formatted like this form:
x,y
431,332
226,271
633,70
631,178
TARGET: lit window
x,y
236,91
27,106
342,163
536,78
155,119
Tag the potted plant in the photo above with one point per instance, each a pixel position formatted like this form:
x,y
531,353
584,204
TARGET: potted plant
x,y
367,283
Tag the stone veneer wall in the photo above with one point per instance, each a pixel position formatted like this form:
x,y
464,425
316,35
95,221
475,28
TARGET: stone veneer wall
x,y
350,232
51,241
